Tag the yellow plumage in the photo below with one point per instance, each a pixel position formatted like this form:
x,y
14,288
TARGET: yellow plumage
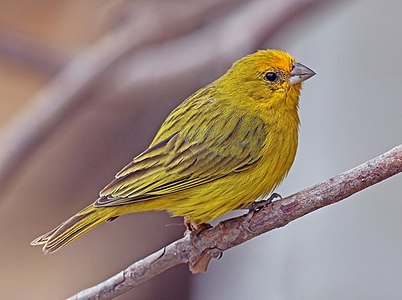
x,y
228,144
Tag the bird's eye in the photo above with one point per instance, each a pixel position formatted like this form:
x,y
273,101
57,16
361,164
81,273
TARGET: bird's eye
x,y
270,76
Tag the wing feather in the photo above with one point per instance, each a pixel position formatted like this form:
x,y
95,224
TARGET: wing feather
x,y
190,156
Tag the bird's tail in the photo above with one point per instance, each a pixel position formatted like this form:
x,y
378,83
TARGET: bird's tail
x,y
69,230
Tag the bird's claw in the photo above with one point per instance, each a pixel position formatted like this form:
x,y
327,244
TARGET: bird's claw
x,y
258,205
194,229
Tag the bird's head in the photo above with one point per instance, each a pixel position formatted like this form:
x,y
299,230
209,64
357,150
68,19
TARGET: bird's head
x,y
272,77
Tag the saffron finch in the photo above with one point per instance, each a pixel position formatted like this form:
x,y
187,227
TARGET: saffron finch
x,y
225,146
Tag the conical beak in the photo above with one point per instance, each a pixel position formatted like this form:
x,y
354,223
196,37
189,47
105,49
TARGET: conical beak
x,y
300,73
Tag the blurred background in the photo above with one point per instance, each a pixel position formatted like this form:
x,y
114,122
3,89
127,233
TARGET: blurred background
x,y
84,85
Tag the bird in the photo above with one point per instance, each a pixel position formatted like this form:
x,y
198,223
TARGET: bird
x,y
227,145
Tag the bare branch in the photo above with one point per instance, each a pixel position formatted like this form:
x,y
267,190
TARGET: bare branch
x,y
198,250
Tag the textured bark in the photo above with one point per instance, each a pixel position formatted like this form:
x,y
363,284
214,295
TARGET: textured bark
x,y
197,250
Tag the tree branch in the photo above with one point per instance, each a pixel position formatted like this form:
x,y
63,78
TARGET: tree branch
x,y
198,250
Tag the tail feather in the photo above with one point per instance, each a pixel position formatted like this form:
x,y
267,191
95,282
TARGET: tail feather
x,y
44,238
71,229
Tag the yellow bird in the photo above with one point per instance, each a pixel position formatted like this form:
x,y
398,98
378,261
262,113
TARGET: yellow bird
x,y
225,146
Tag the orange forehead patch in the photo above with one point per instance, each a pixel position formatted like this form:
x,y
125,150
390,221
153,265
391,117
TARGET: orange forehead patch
x,y
268,59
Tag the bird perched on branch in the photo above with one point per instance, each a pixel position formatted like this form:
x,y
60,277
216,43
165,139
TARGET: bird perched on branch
x,y
225,146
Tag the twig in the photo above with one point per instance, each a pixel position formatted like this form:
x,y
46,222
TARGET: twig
x,y
198,250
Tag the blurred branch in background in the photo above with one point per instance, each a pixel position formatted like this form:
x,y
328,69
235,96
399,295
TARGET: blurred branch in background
x,y
117,57
351,251
28,51
69,90
199,249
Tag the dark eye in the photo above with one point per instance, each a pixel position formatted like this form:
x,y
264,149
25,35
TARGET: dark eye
x,y
270,76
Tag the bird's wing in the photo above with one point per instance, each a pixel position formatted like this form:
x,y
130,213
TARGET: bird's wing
x,y
212,147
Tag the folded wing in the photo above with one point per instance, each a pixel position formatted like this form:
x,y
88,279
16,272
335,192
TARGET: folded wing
x,y
194,146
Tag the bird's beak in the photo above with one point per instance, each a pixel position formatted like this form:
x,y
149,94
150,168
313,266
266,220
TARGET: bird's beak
x,y
300,73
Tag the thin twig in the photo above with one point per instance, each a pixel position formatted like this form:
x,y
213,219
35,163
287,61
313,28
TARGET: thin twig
x,y
198,250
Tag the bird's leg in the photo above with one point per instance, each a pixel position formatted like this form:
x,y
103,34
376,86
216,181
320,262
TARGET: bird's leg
x,y
200,262
257,205
193,228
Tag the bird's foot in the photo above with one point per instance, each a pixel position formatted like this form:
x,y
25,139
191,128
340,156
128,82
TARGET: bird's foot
x,y
258,205
199,263
195,229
